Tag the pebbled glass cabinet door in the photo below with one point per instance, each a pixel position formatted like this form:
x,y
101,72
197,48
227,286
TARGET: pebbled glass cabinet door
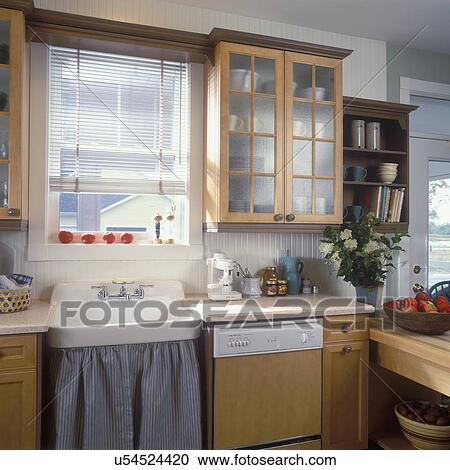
x,y
313,88
252,134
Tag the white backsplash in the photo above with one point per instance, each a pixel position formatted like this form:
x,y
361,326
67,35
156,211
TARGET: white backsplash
x,y
254,250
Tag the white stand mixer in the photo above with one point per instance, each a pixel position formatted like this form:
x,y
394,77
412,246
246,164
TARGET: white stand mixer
x,y
221,287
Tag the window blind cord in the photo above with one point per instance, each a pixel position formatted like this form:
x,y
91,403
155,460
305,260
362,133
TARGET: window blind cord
x,y
54,54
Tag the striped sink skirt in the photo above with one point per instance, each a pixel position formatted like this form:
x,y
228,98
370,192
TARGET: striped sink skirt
x,y
131,396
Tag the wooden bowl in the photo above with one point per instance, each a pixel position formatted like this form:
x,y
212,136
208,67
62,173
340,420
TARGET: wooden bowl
x,y
424,436
420,322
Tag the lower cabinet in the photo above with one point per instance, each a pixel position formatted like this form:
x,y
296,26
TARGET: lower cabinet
x,y
18,397
345,395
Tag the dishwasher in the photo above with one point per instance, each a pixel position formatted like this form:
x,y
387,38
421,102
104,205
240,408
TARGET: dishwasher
x,y
267,385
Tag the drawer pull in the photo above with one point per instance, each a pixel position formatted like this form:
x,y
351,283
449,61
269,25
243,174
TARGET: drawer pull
x,y
346,327
290,217
347,348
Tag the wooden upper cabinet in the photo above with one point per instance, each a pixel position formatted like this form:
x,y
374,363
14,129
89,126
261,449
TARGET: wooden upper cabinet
x,y
274,137
313,161
13,136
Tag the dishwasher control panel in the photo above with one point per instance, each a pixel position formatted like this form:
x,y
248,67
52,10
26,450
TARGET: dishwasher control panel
x,y
237,340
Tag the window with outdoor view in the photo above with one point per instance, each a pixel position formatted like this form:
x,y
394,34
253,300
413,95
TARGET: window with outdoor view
x,y
118,142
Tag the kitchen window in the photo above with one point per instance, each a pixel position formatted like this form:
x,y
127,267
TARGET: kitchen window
x,y
118,147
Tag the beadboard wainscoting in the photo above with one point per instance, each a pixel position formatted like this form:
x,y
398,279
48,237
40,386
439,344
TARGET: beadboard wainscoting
x,y
364,72
255,250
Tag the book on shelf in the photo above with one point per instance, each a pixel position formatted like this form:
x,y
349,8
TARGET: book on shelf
x,y
386,203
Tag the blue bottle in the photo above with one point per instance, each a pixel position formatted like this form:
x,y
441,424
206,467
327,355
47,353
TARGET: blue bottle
x,y
292,270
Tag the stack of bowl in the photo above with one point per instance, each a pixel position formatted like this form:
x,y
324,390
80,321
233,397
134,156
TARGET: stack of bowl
x,y
387,172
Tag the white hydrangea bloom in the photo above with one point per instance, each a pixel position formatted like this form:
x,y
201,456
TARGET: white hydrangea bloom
x,y
326,248
346,234
336,260
371,246
376,235
351,244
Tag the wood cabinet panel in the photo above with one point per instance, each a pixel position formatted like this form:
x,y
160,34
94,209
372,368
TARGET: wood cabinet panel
x,y
345,395
345,328
18,410
17,352
309,445
265,398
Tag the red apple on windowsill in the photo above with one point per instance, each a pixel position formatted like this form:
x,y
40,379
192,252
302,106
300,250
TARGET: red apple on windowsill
x,y
87,238
126,238
109,238
65,236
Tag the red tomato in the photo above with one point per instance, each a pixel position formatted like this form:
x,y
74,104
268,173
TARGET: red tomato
x,y
87,238
422,296
427,306
109,238
408,304
126,237
65,236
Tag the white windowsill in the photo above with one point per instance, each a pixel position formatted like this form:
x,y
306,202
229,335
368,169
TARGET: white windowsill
x,y
119,252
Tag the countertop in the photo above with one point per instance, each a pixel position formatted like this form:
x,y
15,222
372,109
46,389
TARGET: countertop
x,y
275,308
422,358
33,320
36,318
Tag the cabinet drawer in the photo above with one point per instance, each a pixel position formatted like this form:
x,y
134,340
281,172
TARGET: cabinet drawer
x,y
345,328
17,352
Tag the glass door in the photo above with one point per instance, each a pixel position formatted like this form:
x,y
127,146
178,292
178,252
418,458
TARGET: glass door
x,y
313,139
252,134
10,124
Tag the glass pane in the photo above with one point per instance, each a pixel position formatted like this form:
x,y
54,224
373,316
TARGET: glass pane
x,y
4,42
264,75
239,194
302,196
324,121
4,90
302,157
324,159
264,159
302,81
264,114
239,112
240,72
324,197
239,152
302,119
264,194
432,117
4,185
439,222
4,137
324,83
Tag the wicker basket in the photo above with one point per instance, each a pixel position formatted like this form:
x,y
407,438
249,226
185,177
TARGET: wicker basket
x,y
15,300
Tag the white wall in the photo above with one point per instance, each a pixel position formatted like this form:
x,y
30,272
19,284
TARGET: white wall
x,y
364,69
364,75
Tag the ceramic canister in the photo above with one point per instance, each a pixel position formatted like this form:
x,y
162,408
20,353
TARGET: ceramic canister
x,y
358,133
373,135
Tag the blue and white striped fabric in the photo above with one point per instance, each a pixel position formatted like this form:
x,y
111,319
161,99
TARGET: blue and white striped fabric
x,y
135,396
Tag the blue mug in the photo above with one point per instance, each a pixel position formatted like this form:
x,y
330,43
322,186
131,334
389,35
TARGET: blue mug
x,y
355,173
353,213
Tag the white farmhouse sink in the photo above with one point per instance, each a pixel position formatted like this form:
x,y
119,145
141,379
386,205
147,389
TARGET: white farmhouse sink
x,y
79,319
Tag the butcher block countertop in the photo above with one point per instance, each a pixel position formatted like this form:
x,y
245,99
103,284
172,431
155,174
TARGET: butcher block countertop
x,y
422,358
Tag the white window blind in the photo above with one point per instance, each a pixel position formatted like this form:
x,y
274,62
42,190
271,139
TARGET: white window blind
x,y
117,124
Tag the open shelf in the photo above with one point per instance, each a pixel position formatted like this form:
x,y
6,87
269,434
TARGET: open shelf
x,y
374,152
391,440
375,183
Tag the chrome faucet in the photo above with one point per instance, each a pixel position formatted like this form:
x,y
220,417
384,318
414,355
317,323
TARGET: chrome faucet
x,y
123,294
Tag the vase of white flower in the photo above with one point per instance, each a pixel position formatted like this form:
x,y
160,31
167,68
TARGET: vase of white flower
x,y
361,256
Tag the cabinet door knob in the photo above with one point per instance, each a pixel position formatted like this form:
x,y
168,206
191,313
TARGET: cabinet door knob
x,y
290,217
13,212
348,348
278,217
346,327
